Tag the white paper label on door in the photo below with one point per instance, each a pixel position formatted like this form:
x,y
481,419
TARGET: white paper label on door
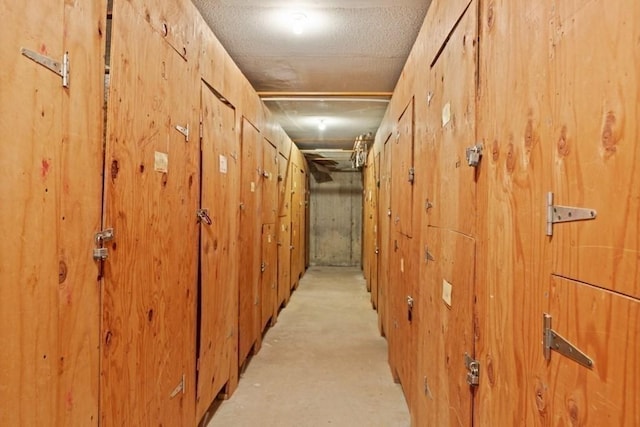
x,y
223,164
447,289
161,162
446,114
253,187
269,238
402,265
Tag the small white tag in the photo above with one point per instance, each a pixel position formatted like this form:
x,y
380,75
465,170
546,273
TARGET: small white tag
x,y
269,238
446,114
223,164
447,288
253,187
161,162
402,265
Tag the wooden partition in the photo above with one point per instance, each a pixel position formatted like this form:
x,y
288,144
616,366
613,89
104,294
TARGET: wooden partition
x,y
549,93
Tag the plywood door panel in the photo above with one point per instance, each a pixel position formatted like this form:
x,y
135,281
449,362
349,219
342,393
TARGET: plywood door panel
x,y
605,326
269,277
284,186
249,238
304,209
385,229
284,260
218,346
296,217
402,195
451,117
446,329
50,208
595,149
152,194
270,183
376,236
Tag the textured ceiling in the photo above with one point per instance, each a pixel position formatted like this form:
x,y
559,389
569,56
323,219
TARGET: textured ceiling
x,y
351,46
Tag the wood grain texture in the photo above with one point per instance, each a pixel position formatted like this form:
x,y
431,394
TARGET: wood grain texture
x,y
249,238
284,231
218,354
269,276
384,225
605,326
149,311
269,183
49,298
594,141
402,162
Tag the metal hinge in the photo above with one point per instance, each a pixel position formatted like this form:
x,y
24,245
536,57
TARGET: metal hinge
x,y
100,253
473,368
184,131
412,175
551,340
263,267
558,214
60,68
179,388
203,216
474,154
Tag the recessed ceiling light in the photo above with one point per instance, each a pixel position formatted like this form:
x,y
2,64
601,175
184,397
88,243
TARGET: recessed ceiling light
x,y
322,125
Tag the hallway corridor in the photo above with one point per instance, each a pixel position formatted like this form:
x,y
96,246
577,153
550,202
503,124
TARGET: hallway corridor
x,y
323,363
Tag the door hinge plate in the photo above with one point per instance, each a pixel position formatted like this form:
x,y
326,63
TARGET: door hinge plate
x,y
554,341
179,388
61,68
473,368
559,214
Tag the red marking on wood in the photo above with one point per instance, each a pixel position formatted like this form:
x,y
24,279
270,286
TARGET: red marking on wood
x,y
43,48
46,166
69,400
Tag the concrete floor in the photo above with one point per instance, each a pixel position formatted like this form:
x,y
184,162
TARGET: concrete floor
x,y
323,363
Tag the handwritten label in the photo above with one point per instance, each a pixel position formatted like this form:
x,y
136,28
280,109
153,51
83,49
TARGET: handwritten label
x,y
223,164
161,162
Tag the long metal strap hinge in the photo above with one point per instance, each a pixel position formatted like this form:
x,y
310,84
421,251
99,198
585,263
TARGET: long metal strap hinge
x,y
100,253
554,341
558,214
61,68
179,388
473,370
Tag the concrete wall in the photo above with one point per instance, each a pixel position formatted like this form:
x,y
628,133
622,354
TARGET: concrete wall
x,y
336,220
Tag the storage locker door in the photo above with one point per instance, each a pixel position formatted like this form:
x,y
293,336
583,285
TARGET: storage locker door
x,y
374,263
249,236
269,275
151,198
284,260
385,230
50,209
270,183
403,173
217,356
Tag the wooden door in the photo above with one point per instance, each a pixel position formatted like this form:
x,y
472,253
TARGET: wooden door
x,y
151,198
296,191
249,237
218,293
270,183
284,232
269,277
594,290
50,209
384,214
403,175
375,240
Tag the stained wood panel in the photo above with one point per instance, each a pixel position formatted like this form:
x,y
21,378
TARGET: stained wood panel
x,y
402,163
375,243
594,141
269,276
446,329
50,191
218,345
284,260
605,326
384,224
270,183
249,234
296,217
151,196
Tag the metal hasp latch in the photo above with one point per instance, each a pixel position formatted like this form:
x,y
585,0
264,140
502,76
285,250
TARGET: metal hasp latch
x,y
474,154
60,68
179,388
100,253
473,366
554,341
558,214
409,308
412,175
203,216
184,131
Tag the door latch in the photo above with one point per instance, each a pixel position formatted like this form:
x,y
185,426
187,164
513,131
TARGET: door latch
x,y
473,370
409,308
474,154
100,253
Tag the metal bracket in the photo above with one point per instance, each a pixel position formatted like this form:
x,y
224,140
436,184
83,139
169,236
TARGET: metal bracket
x,y
179,388
554,341
203,216
558,214
184,131
473,366
101,253
60,68
474,154
412,175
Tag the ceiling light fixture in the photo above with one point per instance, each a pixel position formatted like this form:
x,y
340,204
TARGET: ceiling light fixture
x,y
322,125
298,21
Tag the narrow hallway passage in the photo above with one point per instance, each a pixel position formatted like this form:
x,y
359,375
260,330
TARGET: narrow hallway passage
x,y
323,363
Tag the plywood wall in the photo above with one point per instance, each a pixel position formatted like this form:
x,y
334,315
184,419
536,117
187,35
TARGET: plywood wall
x,y
50,191
549,90
152,333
